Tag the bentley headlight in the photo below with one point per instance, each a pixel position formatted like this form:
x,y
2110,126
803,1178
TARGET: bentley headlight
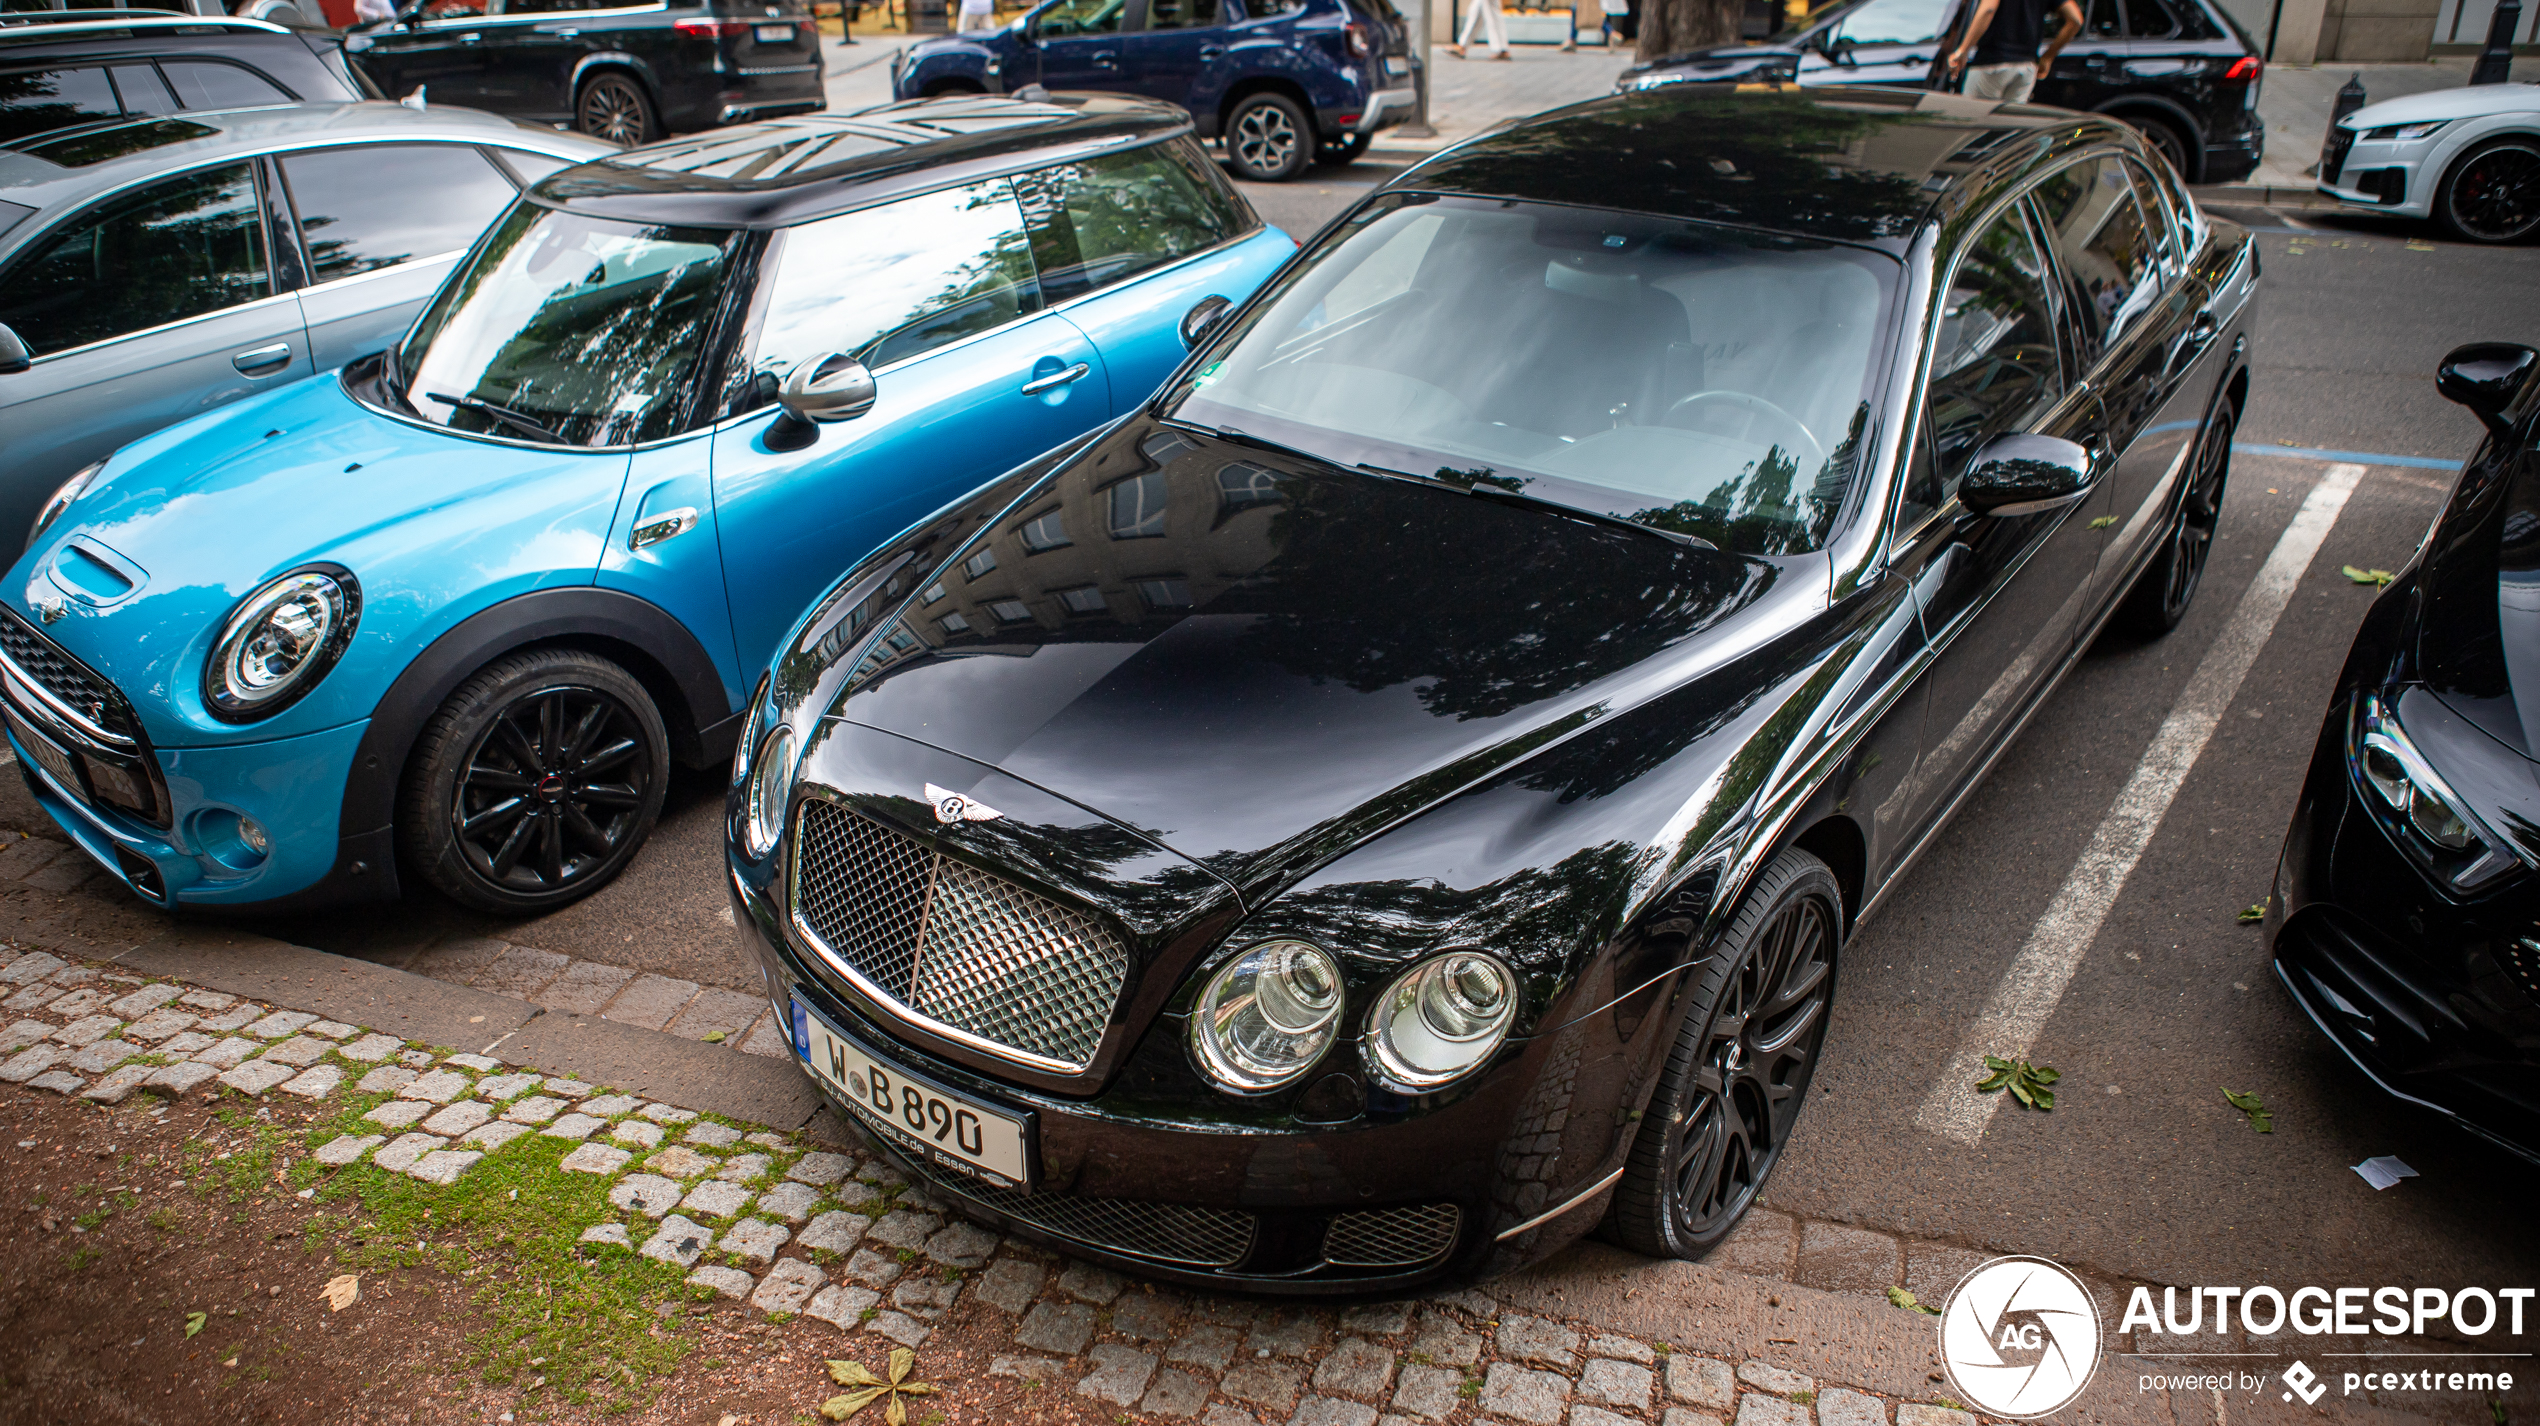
x,y
1441,1019
771,784
1267,1016
750,726
2427,819
68,491
279,642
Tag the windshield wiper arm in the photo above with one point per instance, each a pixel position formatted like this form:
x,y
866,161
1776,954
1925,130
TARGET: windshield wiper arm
x,y
503,414
1519,497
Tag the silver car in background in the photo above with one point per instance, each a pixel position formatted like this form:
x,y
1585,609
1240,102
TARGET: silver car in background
x,y
154,268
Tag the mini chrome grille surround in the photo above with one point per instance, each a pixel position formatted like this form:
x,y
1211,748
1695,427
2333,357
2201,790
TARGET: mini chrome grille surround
x,y
1014,973
1166,1232
42,663
1392,1237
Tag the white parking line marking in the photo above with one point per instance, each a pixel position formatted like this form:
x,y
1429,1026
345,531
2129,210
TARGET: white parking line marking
x,y
2026,997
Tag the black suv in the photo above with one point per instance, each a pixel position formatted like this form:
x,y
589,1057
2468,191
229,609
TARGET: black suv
x,y
80,66
626,72
2181,71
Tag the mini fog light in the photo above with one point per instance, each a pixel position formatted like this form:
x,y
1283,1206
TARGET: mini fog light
x,y
252,832
1267,1016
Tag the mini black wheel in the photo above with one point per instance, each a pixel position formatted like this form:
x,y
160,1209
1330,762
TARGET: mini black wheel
x,y
615,107
1334,153
2492,193
2162,592
535,784
1738,1075
1269,139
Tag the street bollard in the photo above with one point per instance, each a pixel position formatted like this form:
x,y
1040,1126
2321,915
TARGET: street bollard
x,y
2495,61
2350,95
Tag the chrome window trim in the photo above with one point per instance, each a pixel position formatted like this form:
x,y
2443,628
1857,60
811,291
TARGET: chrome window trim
x,y
177,325
337,284
542,17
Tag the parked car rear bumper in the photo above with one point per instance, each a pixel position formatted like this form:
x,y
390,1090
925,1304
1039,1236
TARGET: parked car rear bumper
x,y
1388,107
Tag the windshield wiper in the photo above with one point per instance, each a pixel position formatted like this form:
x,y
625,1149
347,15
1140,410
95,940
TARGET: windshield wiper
x,y
503,414
1490,490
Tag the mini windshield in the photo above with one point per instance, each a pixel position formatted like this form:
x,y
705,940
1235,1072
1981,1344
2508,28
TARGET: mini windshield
x,y
1700,380
568,329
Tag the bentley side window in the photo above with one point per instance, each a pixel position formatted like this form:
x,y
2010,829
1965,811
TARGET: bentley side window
x,y
1995,368
2105,249
176,249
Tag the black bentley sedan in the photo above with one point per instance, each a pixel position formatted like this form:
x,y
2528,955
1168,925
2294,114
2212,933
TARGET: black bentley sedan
x,y
2406,913
1398,799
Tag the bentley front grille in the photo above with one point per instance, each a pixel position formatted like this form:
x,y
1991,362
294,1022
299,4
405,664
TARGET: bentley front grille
x,y
1166,1232
1392,1237
954,945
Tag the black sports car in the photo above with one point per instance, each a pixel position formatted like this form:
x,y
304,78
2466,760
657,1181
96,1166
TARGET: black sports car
x,y
1398,799
2406,916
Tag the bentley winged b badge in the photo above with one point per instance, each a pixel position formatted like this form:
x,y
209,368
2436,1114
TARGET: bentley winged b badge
x,y
951,807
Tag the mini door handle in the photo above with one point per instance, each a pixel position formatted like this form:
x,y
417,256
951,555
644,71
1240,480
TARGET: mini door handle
x,y
669,524
263,359
1056,379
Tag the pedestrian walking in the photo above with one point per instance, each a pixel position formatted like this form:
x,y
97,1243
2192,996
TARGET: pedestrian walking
x,y
2001,41
978,15
371,12
1484,16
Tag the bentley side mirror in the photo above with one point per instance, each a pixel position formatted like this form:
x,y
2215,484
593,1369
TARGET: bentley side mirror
x,y
2021,474
2483,376
1202,319
14,356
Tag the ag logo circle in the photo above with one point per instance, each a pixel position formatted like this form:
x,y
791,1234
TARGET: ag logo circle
x,y
2020,1338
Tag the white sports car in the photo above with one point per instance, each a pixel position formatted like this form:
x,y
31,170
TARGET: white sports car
x,y
2468,158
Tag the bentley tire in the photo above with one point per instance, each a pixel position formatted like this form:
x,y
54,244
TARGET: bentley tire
x,y
1269,139
1738,1074
535,783
2162,592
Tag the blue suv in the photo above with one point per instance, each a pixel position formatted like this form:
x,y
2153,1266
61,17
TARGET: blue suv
x,y
453,612
1286,83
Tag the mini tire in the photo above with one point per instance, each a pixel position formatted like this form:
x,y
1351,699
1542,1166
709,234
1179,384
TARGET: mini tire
x,y
1738,1074
613,105
2491,194
1269,139
535,784
2169,583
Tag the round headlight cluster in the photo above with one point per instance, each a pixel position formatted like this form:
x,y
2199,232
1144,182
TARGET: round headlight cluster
x,y
281,640
1441,1020
1267,1016
771,783
750,727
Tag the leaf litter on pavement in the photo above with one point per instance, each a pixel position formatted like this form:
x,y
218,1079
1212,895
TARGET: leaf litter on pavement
x,y
2254,914
1901,1298
2373,577
866,1387
2026,1082
2261,1118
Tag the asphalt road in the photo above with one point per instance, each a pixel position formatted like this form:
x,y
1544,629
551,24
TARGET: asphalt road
x,y
2141,1170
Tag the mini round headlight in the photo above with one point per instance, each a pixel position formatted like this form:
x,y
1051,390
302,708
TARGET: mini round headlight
x,y
281,640
771,783
1267,1016
1441,1020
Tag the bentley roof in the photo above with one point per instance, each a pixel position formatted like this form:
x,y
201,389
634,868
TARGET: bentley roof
x,y
1860,164
780,172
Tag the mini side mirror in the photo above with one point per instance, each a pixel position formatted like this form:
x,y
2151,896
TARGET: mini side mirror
x,y
1202,319
14,357
828,388
2483,376
2022,474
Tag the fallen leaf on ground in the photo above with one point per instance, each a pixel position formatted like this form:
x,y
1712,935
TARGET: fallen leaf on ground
x,y
2103,522
2261,1118
194,1322
1909,1302
2254,914
343,1291
2026,1082
2374,577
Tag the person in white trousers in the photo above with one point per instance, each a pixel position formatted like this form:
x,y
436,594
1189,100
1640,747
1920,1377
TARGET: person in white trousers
x,y
978,15
1483,15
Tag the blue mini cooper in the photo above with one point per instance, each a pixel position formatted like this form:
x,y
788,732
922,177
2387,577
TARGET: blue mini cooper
x,y
452,612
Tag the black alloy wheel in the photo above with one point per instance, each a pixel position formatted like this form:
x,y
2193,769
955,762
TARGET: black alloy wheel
x,y
1269,139
2163,591
616,108
1738,1075
2492,193
535,784
2164,139
1337,153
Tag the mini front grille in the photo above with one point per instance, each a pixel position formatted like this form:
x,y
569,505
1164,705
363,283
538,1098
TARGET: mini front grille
x,y
954,944
43,661
1166,1232
1392,1237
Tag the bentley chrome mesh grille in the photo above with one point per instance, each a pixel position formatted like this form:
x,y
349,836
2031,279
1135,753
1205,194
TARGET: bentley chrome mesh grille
x,y
955,944
1166,1232
1392,1237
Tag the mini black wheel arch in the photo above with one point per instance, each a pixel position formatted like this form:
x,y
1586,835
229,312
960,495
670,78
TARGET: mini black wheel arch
x,y
633,633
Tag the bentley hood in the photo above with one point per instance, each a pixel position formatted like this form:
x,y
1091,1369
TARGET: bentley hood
x,y
1255,660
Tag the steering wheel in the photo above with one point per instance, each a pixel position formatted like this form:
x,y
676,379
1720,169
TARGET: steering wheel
x,y
1805,446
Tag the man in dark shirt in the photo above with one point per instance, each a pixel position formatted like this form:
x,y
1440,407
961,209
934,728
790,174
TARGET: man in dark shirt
x,y
2002,39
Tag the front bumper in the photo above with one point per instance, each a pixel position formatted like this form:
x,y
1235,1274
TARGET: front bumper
x,y
2436,1000
2385,177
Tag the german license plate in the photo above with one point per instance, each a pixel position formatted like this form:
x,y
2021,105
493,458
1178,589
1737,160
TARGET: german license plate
x,y
49,757
776,34
1395,68
920,1115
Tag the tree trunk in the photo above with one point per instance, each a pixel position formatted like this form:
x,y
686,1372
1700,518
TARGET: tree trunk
x,y
1674,26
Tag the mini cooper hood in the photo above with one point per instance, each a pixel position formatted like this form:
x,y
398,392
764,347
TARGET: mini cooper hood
x,y
2470,101
1256,660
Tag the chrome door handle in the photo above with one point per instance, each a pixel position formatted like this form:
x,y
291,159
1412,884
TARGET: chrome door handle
x,y
263,359
669,524
1209,53
1056,379
472,39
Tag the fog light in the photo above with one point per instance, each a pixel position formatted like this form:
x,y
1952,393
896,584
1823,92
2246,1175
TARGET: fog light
x,y
252,832
232,842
